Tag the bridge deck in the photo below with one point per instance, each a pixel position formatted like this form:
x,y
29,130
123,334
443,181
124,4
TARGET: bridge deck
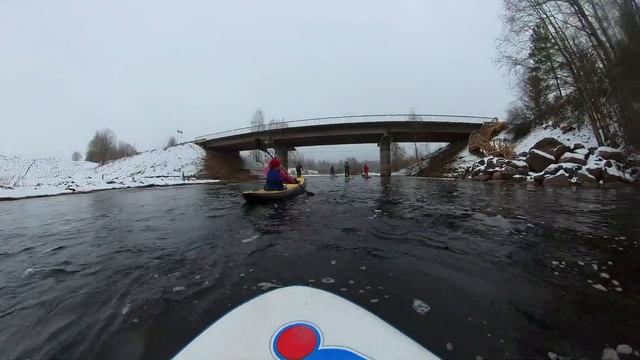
x,y
304,133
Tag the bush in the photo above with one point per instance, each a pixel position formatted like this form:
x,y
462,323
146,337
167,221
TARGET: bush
x,y
172,142
76,156
520,123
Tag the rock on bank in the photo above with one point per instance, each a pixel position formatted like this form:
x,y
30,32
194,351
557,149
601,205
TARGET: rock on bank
x,y
550,162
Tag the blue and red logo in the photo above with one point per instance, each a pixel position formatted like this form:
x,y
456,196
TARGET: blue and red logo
x,y
303,340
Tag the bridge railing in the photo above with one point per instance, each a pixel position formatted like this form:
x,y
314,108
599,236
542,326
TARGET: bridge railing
x,y
345,120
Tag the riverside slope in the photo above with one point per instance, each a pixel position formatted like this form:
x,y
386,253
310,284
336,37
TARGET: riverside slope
x,y
22,177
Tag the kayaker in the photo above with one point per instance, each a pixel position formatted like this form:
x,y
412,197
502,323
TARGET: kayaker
x,y
366,170
299,169
332,171
277,176
346,169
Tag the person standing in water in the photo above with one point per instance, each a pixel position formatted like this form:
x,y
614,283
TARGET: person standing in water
x,y
366,170
299,169
332,171
346,169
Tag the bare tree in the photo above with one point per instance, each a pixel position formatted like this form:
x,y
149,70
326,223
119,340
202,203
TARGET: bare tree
x,y
582,49
123,150
277,124
257,121
76,156
172,142
257,124
102,147
399,159
413,117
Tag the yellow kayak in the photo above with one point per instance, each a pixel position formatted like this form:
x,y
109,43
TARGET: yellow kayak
x,y
264,195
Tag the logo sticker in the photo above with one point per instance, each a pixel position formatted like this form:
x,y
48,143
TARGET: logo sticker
x,y
303,340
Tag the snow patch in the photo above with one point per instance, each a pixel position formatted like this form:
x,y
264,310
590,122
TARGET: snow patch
x,y
544,154
583,135
599,287
29,177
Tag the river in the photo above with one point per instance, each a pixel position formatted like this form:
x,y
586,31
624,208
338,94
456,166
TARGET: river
x,y
507,270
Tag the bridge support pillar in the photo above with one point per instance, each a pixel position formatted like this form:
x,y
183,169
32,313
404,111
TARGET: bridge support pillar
x,y
385,156
283,156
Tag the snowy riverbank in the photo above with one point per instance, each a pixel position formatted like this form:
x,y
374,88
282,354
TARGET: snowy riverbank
x,y
569,151
22,177
551,157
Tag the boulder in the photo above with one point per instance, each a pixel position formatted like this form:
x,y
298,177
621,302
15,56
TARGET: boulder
x,y
538,178
560,179
596,172
573,158
475,172
584,177
496,175
538,160
560,150
577,146
481,177
508,173
552,169
500,162
520,166
608,153
570,171
516,164
628,178
633,174
523,154
547,145
490,164
612,174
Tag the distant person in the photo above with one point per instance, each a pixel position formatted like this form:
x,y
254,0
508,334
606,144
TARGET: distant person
x,y
346,169
277,177
299,169
366,170
332,171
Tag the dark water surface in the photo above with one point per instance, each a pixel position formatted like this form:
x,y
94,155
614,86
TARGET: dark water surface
x,y
138,273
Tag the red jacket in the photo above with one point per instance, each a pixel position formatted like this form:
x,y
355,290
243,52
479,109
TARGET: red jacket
x,y
286,177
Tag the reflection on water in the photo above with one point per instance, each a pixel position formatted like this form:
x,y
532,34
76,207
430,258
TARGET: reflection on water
x,y
504,270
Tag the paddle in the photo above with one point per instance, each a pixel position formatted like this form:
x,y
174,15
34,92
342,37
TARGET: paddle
x,y
309,193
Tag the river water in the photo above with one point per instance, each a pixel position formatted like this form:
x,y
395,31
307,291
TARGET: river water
x,y
507,270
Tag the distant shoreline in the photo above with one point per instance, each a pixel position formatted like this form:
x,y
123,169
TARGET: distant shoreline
x,y
144,186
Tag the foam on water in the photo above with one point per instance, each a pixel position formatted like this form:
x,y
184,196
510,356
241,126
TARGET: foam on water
x,y
250,239
420,306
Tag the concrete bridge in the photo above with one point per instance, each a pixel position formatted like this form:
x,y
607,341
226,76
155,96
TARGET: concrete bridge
x,y
358,129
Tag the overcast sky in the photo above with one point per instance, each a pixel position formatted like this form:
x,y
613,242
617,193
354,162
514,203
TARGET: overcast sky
x,y
146,68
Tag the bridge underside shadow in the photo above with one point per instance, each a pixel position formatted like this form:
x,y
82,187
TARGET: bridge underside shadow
x,y
380,133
